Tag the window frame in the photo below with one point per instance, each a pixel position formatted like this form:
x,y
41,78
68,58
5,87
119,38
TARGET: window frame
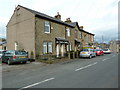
x,y
47,24
75,33
50,44
80,33
68,32
45,47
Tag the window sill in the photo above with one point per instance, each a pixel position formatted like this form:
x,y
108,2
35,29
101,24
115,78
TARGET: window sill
x,y
47,32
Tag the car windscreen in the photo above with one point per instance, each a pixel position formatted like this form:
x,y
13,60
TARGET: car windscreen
x,y
20,53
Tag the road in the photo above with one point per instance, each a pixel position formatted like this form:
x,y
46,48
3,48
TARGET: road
x,y
98,72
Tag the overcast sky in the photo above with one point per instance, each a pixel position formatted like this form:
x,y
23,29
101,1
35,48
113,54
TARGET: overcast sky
x,y
97,16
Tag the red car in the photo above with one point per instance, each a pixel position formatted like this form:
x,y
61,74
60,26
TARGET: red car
x,y
98,52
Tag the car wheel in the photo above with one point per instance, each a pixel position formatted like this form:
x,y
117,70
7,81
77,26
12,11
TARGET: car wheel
x,y
95,55
90,57
9,62
24,62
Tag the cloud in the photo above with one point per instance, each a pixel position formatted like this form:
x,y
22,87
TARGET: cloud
x,y
97,16
3,20
2,30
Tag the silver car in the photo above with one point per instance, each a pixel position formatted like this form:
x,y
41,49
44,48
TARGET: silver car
x,y
87,53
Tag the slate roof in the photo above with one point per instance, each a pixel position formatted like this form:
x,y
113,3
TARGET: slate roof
x,y
1,43
76,24
38,14
42,15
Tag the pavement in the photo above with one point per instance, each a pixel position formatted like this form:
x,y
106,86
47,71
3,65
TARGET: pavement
x,y
20,66
98,72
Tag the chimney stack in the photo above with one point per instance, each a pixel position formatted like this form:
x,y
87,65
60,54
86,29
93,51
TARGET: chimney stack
x,y
58,16
81,27
68,20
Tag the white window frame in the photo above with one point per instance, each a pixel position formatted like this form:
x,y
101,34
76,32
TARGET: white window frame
x,y
16,45
68,32
45,47
80,35
49,47
47,24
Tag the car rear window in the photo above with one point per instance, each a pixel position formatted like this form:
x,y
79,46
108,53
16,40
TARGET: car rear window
x,y
97,50
84,50
20,53
105,49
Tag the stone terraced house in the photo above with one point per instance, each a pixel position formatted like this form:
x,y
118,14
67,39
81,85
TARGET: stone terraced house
x,y
42,34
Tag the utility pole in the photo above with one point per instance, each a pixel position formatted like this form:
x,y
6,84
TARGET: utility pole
x,y
102,41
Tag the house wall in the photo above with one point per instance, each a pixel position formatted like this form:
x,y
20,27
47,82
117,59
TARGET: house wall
x,y
21,29
114,46
27,31
86,38
78,36
57,30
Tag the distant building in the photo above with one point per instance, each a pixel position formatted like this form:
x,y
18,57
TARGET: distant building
x,y
3,45
101,45
115,46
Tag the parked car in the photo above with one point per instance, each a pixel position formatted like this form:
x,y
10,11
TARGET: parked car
x,y
1,53
87,53
13,56
106,51
98,52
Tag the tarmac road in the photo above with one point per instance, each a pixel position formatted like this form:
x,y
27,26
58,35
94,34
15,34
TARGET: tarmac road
x,y
98,72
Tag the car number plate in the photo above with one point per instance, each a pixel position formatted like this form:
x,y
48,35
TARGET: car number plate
x,y
83,52
22,56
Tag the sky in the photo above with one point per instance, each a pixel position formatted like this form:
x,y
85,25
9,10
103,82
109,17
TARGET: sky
x,y
99,17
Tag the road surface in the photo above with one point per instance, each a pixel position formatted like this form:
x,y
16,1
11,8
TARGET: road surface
x,y
98,72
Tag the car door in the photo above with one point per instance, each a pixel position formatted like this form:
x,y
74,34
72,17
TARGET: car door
x,y
92,52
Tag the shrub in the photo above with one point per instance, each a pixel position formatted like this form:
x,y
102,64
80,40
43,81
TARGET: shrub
x,y
37,56
49,61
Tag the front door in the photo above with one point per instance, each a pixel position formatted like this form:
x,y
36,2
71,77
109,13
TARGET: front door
x,y
62,50
57,50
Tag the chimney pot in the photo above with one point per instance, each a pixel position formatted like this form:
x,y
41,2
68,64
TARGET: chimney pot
x,y
58,16
68,20
81,27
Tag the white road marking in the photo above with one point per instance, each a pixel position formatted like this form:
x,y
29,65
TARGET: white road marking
x,y
113,55
36,83
105,59
86,66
